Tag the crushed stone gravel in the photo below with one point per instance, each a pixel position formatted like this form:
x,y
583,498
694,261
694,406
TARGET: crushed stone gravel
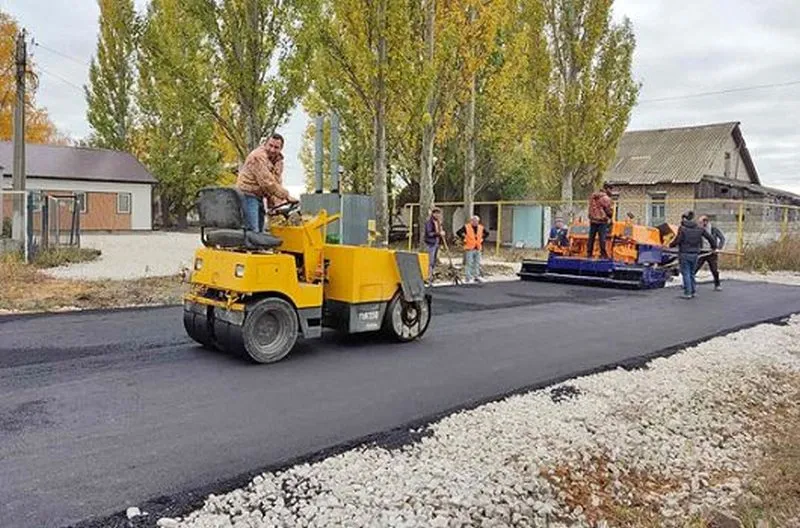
x,y
133,256
674,437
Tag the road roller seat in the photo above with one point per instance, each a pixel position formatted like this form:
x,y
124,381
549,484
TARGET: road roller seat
x,y
223,224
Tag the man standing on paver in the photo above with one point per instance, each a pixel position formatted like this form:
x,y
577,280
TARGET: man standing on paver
x,y
689,242
434,232
473,233
712,257
259,178
601,213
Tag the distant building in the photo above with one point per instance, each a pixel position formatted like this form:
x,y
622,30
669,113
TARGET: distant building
x,y
113,188
661,173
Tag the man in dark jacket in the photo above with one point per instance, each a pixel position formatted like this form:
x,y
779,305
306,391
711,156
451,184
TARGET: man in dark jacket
x,y
712,258
689,242
434,233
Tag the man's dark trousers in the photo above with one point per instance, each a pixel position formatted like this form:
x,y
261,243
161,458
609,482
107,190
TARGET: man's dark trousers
x,y
600,229
713,265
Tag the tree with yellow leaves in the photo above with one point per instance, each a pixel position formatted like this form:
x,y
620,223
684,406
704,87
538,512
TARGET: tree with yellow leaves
x,y
591,93
38,126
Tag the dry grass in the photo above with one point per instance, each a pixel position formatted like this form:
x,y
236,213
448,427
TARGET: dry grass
x,y
782,255
62,256
24,288
604,491
622,497
775,483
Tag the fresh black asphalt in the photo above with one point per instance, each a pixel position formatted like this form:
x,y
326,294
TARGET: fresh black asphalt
x,y
101,411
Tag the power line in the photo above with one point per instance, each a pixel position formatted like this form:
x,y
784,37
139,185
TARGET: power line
x,y
720,92
68,57
62,79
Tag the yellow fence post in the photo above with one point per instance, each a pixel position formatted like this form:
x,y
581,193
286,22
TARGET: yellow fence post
x,y
410,225
499,229
740,235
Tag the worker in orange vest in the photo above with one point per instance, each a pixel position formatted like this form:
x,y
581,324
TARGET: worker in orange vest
x,y
473,234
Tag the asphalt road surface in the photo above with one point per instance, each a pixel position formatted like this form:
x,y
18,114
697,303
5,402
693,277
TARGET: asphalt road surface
x,y
101,411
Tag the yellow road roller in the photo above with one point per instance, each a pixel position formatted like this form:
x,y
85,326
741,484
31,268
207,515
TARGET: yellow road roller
x,y
257,293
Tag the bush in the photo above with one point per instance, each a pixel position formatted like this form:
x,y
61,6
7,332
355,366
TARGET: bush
x,y
6,228
782,255
51,258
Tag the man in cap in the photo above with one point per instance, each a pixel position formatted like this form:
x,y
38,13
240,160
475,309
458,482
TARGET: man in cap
x,y
558,233
712,257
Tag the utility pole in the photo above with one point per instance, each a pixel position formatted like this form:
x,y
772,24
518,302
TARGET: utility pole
x,y
18,179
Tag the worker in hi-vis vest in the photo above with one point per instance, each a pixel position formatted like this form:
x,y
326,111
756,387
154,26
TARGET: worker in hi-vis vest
x,y
473,233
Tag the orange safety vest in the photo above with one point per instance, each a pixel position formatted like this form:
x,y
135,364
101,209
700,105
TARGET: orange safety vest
x,y
472,240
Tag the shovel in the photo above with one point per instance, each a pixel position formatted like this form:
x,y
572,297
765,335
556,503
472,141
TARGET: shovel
x,y
452,272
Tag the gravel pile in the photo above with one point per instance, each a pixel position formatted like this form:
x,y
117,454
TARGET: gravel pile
x,y
666,440
133,256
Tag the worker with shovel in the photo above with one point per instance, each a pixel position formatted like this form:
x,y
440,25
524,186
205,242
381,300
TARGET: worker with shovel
x,y
712,257
434,234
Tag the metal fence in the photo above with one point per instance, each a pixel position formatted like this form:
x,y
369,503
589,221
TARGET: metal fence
x,y
526,224
49,220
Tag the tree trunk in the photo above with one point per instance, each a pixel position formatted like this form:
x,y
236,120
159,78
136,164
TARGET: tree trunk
x,y
567,207
426,194
166,217
251,129
469,172
379,142
180,217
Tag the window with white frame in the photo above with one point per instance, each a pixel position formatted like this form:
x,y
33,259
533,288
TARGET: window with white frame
x,y
124,203
657,209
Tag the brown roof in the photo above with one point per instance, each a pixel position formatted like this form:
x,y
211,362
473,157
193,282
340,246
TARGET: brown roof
x,y
676,155
754,188
76,163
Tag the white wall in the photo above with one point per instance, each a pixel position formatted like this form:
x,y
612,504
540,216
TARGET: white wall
x,y
740,172
141,195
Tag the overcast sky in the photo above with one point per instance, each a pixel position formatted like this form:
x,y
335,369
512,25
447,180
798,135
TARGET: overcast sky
x,y
683,47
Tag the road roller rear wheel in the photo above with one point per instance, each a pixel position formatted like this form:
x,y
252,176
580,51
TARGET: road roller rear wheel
x,y
406,321
198,328
270,330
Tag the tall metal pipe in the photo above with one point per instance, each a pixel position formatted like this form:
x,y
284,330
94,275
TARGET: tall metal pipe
x,y
318,152
334,152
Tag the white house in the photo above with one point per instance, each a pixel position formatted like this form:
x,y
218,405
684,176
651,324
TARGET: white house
x,y
114,189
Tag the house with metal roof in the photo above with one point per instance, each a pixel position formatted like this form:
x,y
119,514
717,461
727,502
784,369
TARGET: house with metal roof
x,y
113,189
660,173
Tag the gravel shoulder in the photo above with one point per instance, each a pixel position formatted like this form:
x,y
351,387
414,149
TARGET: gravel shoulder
x,y
672,443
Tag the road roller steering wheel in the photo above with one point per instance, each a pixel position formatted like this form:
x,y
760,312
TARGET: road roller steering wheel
x,y
285,210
